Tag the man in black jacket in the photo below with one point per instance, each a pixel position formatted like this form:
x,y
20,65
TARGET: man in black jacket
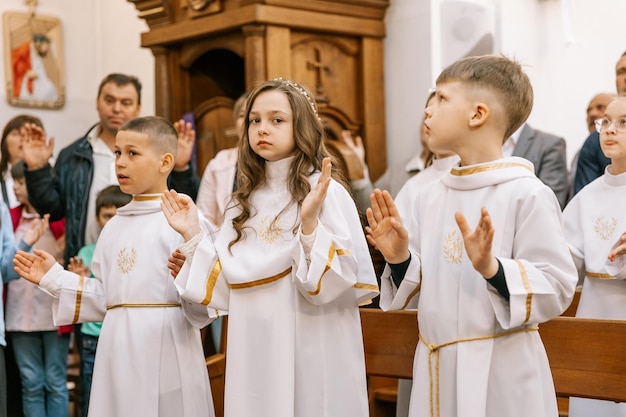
x,y
87,165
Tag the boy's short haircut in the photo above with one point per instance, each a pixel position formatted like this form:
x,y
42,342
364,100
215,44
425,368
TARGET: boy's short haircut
x,y
111,196
161,132
17,170
500,75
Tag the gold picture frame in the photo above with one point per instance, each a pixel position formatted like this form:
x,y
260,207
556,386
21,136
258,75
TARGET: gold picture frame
x,y
33,60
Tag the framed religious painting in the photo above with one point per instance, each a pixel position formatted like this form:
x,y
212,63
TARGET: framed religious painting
x,y
33,60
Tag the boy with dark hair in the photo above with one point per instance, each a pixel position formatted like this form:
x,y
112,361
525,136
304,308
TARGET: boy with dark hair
x,y
161,371
481,292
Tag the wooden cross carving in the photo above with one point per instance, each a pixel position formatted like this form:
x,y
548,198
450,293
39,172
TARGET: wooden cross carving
x,y
318,67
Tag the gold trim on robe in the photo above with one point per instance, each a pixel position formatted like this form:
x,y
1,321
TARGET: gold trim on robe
x,y
146,197
529,295
142,305
363,286
415,291
331,256
598,275
261,281
484,168
211,281
79,298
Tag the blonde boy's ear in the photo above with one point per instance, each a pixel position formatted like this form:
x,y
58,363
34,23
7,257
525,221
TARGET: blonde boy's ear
x,y
167,163
480,114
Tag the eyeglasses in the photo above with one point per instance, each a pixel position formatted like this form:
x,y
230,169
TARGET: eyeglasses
x,y
603,124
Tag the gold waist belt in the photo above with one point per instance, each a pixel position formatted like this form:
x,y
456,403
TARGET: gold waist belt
x,y
598,275
435,349
142,305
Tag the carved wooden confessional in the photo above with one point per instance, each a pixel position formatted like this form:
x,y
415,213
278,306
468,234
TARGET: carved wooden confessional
x,y
208,52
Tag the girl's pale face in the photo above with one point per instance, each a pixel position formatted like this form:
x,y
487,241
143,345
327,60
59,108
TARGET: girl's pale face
x,y
270,132
613,137
14,146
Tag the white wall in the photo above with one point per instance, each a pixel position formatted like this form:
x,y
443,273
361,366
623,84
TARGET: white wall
x,y
565,74
100,37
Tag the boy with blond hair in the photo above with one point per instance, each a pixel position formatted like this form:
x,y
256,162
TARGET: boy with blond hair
x,y
480,292
149,359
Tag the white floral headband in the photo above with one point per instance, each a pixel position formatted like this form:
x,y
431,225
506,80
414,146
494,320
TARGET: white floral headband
x,y
300,90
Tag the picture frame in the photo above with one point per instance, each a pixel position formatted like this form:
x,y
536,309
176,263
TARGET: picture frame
x,y
33,60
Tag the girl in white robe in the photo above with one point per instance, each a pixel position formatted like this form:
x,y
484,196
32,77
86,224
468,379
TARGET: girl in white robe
x,y
594,220
290,264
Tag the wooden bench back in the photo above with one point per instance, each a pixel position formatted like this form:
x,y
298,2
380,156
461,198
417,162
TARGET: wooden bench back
x,y
390,339
587,357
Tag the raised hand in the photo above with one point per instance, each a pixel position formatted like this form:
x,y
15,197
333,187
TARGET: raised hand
x,y
385,230
36,150
186,139
77,266
355,144
33,267
181,213
175,262
478,243
619,249
314,201
37,228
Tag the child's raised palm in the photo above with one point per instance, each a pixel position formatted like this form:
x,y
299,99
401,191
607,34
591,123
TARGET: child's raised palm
x,y
181,213
314,201
385,230
35,149
186,139
77,266
33,266
36,230
478,243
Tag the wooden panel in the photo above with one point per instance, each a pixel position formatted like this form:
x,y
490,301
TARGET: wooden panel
x,y
255,54
278,58
215,127
571,310
390,339
260,14
372,9
587,357
329,67
374,107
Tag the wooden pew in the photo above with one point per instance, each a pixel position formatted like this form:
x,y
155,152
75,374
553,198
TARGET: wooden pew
x,y
216,367
587,357
389,340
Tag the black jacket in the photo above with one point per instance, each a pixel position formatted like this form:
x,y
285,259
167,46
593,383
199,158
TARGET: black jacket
x,y
64,190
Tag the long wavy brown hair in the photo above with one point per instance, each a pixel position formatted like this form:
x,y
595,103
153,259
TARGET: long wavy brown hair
x,y
310,150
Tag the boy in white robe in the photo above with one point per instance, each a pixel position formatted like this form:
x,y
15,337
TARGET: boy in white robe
x,y
591,229
293,279
149,360
480,293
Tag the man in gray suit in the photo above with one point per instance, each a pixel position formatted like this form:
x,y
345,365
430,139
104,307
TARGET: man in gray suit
x,y
546,152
